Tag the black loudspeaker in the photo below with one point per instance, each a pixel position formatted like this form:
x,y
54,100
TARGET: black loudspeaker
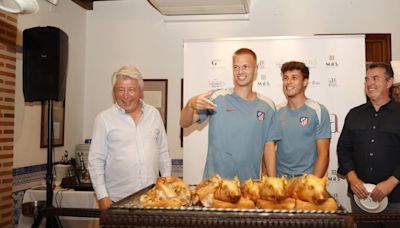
x,y
45,58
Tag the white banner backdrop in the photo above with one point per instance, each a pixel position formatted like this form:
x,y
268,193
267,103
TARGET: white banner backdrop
x,y
337,70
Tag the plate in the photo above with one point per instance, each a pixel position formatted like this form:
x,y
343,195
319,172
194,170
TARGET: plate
x,y
368,204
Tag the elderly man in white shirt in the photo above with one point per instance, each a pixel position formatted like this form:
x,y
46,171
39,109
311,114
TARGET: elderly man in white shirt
x,y
129,144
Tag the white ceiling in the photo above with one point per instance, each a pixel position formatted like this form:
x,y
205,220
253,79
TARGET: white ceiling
x,y
200,7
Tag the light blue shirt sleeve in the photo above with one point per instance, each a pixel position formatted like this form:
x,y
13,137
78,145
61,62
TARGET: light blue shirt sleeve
x,y
324,126
203,115
274,133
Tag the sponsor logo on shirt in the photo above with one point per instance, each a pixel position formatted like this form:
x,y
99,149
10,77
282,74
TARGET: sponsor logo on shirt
x,y
303,121
260,115
229,110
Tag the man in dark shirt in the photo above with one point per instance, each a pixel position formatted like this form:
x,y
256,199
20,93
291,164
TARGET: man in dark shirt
x,y
369,145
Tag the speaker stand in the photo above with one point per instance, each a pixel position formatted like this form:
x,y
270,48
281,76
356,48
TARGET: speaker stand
x,y
52,221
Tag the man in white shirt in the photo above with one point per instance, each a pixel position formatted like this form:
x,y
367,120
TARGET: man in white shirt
x,y
129,144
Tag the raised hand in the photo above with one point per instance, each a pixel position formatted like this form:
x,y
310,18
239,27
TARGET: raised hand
x,y
202,102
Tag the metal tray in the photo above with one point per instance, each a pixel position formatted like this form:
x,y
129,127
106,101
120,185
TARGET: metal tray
x,y
132,202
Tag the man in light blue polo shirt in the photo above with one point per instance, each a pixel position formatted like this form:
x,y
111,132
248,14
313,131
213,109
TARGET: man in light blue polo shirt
x,y
242,124
304,125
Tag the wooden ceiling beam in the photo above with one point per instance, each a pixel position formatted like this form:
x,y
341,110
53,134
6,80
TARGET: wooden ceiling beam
x,y
86,4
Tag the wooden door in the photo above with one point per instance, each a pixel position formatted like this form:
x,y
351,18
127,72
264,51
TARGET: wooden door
x,y
378,47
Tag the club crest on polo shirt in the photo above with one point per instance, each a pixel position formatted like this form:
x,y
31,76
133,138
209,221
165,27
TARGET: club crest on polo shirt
x,y
303,121
260,115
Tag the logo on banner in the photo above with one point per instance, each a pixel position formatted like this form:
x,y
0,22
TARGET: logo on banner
x,y
335,195
263,83
310,63
216,63
334,119
333,176
331,62
314,83
332,82
260,115
261,64
216,84
303,121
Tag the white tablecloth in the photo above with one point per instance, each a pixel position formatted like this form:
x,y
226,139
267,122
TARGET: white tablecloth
x,y
66,199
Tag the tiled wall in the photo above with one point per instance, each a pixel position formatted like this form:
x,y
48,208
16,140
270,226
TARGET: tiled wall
x,y
23,179
33,176
8,35
177,167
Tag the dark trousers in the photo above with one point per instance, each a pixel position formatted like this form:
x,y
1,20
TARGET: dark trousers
x,y
392,207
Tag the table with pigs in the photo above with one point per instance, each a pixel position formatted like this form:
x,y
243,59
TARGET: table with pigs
x,y
218,202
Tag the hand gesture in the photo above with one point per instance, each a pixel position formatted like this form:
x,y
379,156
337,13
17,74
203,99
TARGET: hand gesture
x,y
202,102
